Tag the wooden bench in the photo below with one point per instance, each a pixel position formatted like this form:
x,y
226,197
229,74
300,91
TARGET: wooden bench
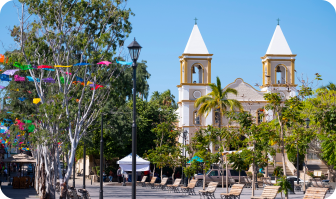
x,y
235,191
321,185
247,182
269,192
161,185
174,187
190,189
231,182
209,191
142,182
315,193
151,183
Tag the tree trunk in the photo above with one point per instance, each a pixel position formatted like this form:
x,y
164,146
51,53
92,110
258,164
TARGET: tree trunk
x,y
282,146
239,177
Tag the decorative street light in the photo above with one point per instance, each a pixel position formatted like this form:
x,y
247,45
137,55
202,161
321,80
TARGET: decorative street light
x,y
184,134
307,120
134,50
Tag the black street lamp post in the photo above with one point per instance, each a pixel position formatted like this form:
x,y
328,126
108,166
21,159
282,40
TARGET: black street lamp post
x,y
185,132
101,160
134,50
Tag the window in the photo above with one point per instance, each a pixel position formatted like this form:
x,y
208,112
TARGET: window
x,y
197,118
260,116
197,74
213,173
280,72
217,147
217,116
236,173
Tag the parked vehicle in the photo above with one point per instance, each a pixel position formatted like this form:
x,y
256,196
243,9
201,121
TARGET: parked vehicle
x,y
215,175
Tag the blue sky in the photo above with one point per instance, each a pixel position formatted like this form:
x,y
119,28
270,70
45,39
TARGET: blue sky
x,y
236,32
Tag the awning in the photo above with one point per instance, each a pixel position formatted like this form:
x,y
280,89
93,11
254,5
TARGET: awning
x,y
126,163
23,158
196,158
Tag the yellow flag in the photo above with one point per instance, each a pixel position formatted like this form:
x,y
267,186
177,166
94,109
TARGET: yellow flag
x,y
63,66
36,100
88,83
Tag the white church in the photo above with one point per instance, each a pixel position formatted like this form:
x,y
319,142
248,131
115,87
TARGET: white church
x,y
278,75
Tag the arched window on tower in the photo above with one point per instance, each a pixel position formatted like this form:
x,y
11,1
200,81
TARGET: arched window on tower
x,y
260,116
197,118
197,74
280,74
217,116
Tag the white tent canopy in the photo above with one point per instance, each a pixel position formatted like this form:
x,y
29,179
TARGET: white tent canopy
x,y
126,163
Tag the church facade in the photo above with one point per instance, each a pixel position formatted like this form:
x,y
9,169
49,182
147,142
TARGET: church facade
x,y
278,75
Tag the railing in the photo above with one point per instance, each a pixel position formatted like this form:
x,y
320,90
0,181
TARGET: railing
x,y
290,165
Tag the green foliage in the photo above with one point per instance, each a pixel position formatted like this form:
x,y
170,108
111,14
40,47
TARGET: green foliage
x,y
217,99
311,174
237,161
278,171
249,174
284,185
200,145
260,175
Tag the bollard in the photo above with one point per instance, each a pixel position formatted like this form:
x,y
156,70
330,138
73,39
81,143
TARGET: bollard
x,y
291,181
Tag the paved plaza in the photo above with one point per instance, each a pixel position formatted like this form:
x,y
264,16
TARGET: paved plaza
x,y
113,190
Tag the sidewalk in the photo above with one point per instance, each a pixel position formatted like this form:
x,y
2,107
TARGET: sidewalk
x,y
114,190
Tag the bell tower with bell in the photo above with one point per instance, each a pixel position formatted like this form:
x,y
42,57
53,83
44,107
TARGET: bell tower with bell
x,y
195,76
278,64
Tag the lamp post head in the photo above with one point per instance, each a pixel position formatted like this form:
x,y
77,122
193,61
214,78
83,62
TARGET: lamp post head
x,y
134,50
307,120
185,133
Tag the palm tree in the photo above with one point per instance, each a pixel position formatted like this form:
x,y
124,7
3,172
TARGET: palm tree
x,y
217,99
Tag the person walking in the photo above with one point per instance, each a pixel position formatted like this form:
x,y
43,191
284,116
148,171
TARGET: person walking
x,y
126,176
5,173
119,175
111,175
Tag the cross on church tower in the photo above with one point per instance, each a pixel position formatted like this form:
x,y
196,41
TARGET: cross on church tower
x,y
195,21
278,21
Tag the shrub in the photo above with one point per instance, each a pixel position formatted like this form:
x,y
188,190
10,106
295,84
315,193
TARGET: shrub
x,y
311,174
323,177
260,175
249,174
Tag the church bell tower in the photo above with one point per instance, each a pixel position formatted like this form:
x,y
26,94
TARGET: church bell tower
x,y
278,65
195,76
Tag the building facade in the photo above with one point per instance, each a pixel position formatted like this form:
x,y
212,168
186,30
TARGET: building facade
x,y
278,75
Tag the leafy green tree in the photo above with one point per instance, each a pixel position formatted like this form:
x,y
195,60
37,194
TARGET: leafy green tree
x,y
200,146
284,185
65,33
238,162
217,100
